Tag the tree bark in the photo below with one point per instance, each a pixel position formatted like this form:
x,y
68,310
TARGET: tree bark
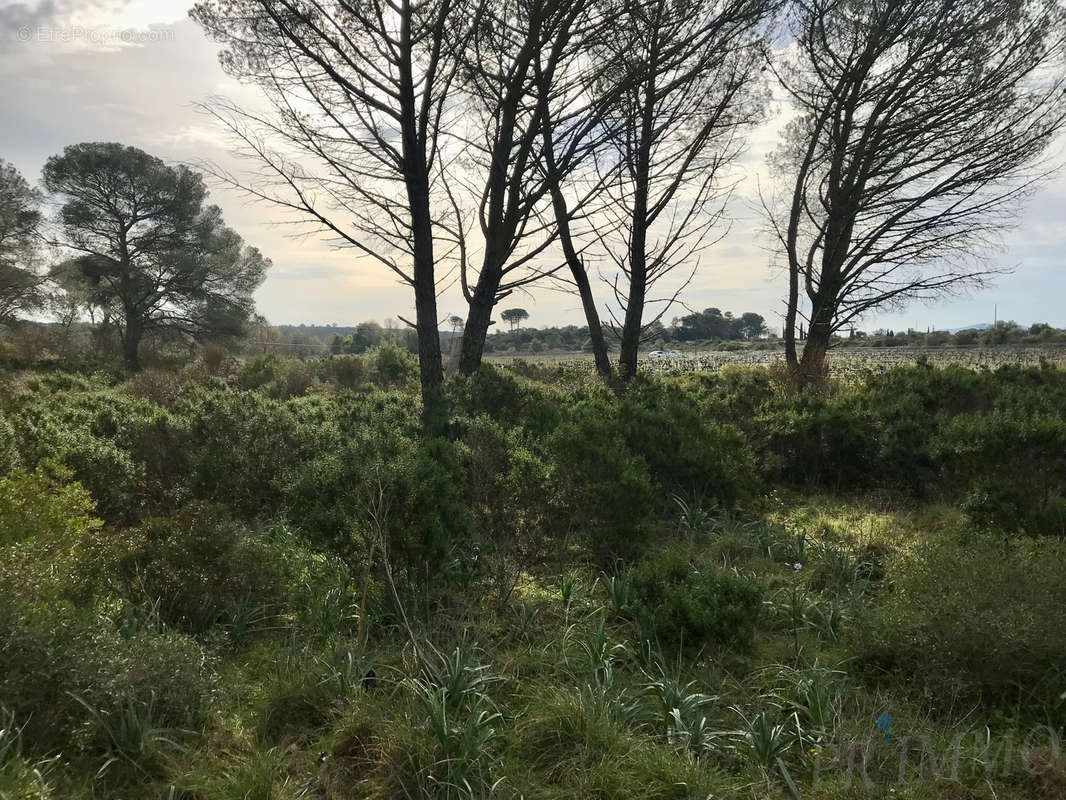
x,y
478,319
812,368
131,344
416,179
791,359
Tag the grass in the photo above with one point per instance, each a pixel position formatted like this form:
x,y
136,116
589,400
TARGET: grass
x,y
557,695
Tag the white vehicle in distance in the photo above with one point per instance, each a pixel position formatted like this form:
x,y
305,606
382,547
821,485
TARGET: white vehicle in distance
x,y
660,355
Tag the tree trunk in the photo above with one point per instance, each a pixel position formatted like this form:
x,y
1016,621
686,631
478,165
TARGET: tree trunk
x,y
416,179
627,359
131,348
812,369
592,317
638,243
581,280
791,359
478,319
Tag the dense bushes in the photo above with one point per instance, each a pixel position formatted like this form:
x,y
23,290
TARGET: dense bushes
x,y
197,566
986,615
917,430
65,665
685,606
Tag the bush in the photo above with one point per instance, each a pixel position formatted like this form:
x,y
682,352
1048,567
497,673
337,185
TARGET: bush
x,y
127,451
275,376
508,486
604,488
688,607
686,453
243,444
50,545
55,563
56,657
9,454
198,566
393,367
988,615
333,497
1016,460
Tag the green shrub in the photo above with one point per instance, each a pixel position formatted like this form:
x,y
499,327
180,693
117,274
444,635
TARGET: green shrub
x,y
127,451
198,566
393,366
56,564
57,660
9,454
987,614
381,475
243,444
685,606
508,486
275,376
509,399
347,372
51,545
686,453
1016,460
604,488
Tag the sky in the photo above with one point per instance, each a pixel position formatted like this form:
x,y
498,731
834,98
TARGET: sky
x,y
133,71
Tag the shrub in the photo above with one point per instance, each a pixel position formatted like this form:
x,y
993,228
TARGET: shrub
x,y
197,566
690,607
1016,460
685,452
393,366
9,454
55,563
347,372
275,376
509,492
986,614
509,399
55,659
50,544
127,451
243,444
604,488
414,488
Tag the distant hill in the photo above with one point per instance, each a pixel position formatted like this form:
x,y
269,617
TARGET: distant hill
x,y
980,326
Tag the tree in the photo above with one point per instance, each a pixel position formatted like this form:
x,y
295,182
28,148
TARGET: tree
x,y
515,317
362,90
689,77
920,126
518,49
20,221
367,335
148,249
751,325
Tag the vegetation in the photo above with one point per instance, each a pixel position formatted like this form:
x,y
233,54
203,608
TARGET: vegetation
x,y
263,580
148,252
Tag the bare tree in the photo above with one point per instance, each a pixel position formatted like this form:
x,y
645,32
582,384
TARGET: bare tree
x,y
517,47
689,76
921,124
363,89
574,100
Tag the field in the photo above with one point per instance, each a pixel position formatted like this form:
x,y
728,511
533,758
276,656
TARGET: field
x,y
843,361
257,581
